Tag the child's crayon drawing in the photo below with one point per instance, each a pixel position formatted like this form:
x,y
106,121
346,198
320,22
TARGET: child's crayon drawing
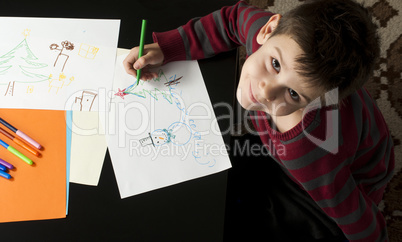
x,y
173,82
169,130
88,51
154,93
65,45
44,61
21,64
59,82
10,89
121,93
30,89
86,100
179,133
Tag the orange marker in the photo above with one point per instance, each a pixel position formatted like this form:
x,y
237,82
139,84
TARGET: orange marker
x,y
19,142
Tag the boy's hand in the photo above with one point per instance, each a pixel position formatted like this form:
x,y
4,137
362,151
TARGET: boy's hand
x,y
152,57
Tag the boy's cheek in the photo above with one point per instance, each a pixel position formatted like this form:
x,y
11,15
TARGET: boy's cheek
x,y
239,95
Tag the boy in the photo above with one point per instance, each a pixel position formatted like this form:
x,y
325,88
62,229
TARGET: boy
x,y
340,155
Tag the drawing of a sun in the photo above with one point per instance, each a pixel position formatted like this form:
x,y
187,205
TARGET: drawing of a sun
x,y
26,32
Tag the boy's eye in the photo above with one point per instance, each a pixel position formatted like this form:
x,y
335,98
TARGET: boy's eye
x,y
293,94
276,65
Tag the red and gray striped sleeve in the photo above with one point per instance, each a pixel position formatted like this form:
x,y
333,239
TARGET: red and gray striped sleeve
x,y
220,31
346,179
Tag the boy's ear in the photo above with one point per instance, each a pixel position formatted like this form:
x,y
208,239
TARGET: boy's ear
x,y
268,28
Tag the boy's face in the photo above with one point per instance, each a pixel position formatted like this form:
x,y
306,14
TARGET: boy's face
x,y
269,81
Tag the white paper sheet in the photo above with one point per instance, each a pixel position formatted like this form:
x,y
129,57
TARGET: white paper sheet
x,y
51,63
88,145
161,135
88,148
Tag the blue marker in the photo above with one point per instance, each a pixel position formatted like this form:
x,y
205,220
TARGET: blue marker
x,y
5,175
3,168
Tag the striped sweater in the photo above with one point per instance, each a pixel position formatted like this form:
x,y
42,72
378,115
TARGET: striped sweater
x,y
342,157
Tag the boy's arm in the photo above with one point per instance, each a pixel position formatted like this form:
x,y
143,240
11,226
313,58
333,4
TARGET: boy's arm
x,y
200,38
348,184
342,199
217,32
355,213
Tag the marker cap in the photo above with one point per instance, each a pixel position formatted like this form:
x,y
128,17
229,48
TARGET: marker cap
x,y
28,139
25,146
20,155
6,164
5,175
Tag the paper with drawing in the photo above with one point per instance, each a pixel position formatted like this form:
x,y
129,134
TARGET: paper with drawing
x,y
56,63
164,131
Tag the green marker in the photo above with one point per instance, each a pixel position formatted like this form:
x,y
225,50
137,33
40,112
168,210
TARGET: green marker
x,y
16,152
142,39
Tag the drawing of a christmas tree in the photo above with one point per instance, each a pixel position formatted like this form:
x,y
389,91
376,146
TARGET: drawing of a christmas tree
x,y
20,64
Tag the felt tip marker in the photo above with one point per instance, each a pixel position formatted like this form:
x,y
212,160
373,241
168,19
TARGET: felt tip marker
x,y
19,142
6,164
141,47
5,175
21,134
140,51
3,168
16,152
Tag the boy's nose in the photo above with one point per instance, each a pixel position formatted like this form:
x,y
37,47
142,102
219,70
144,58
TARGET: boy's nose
x,y
268,90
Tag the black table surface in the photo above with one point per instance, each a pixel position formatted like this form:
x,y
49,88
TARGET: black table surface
x,y
189,211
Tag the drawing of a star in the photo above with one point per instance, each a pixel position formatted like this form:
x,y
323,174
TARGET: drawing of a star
x,y
26,33
121,93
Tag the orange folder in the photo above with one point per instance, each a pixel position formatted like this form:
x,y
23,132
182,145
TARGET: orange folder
x,y
36,191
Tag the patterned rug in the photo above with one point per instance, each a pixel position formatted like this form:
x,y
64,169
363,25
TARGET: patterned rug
x,y
385,87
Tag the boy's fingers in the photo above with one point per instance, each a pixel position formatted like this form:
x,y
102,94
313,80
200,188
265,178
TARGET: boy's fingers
x,y
141,62
128,64
147,76
132,63
131,72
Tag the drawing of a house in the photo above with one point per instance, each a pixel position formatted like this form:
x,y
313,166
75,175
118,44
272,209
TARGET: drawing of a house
x,y
86,100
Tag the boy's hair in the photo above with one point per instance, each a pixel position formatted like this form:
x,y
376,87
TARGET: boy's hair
x,y
339,42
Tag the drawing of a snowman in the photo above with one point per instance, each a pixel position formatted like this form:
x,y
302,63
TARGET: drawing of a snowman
x,y
177,133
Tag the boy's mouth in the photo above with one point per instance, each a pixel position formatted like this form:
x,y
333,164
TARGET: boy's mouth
x,y
253,99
